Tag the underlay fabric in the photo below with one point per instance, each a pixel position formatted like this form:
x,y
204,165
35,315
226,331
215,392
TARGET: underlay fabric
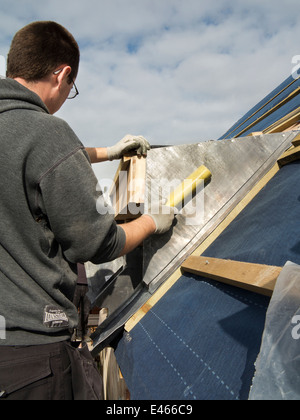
x,y
201,340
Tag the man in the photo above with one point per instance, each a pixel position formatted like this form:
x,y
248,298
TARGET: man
x,y
48,219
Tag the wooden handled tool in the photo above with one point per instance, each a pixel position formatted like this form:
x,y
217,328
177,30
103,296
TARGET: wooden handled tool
x,y
188,186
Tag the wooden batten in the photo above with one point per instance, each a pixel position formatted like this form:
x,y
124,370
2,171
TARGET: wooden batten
x,y
289,156
257,278
128,191
296,141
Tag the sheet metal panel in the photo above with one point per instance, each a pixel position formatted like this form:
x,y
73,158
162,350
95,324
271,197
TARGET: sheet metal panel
x,y
236,166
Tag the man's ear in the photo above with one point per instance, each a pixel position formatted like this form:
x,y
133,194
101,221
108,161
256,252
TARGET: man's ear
x,y
64,74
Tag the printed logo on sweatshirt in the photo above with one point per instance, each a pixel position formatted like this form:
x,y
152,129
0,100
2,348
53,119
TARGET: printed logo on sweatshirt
x,y
55,317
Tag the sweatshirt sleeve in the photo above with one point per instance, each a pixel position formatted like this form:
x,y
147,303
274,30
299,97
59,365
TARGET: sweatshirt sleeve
x,y
78,216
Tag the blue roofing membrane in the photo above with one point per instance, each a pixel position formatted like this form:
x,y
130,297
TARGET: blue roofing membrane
x,y
202,338
249,122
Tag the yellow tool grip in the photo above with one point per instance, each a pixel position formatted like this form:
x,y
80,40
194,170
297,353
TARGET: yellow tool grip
x,y
188,186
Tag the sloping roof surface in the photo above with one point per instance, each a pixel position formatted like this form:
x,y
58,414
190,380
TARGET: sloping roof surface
x,y
236,166
201,340
282,101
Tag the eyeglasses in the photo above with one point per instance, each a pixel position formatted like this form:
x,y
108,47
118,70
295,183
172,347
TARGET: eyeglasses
x,y
74,91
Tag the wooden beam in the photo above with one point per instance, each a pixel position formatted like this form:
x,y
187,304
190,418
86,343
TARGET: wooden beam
x,y
228,133
128,191
270,111
114,385
285,123
254,277
296,141
289,156
256,133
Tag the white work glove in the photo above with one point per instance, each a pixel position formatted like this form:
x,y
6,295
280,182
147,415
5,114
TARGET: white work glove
x,y
163,217
127,144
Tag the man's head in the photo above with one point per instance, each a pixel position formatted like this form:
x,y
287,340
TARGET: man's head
x,y
40,48
44,53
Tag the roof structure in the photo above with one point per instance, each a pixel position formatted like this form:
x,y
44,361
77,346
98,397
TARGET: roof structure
x,y
188,335
277,112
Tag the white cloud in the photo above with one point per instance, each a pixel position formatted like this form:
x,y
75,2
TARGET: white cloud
x,y
170,70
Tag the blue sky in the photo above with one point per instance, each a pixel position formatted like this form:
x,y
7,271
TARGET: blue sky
x,y
173,71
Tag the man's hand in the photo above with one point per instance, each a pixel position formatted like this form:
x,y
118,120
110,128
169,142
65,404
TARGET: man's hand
x,y
163,217
153,222
127,144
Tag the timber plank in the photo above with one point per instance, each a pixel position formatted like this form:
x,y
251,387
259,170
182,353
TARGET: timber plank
x,y
289,156
128,191
254,277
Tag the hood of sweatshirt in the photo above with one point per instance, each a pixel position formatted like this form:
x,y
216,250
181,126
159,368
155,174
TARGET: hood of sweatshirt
x,y
13,95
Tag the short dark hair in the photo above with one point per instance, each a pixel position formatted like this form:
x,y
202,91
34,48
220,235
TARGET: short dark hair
x,y
39,48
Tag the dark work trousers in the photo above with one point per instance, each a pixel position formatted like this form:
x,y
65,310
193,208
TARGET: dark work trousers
x,y
49,372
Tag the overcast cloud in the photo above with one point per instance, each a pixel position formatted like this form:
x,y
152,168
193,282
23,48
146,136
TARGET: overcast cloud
x,y
174,71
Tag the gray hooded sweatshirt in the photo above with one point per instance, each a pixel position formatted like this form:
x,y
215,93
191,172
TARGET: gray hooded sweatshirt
x,y
52,215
